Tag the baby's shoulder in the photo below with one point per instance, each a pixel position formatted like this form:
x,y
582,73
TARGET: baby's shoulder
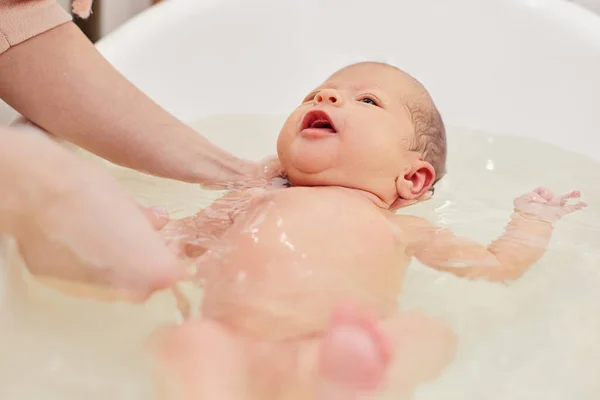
x,y
412,223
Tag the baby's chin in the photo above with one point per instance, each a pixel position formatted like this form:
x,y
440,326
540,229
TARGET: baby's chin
x,y
308,166
300,178
324,177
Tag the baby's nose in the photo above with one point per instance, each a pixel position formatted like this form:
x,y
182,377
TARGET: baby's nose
x,y
331,96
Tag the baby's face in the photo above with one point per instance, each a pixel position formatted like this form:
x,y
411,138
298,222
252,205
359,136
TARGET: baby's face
x,y
353,131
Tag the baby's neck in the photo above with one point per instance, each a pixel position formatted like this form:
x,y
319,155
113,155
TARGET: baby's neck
x,y
376,200
373,198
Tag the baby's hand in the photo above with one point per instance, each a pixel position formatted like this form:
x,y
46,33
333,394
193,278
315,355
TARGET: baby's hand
x,y
541,204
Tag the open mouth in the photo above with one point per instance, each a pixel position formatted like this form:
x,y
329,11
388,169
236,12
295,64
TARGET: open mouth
x,y
318,121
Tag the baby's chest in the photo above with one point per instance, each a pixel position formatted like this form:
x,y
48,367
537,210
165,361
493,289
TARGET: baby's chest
x,y
310,228
290,261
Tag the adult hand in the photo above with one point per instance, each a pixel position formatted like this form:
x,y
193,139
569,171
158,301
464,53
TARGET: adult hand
x,y
257,175
74,222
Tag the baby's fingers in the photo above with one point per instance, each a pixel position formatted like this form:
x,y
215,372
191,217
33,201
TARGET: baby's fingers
x,y
534,197
575,194
544,193
574,207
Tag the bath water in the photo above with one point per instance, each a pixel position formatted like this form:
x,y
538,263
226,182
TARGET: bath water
x,y
536,338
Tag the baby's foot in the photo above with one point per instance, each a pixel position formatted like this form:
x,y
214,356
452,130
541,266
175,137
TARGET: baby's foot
x,y
354,357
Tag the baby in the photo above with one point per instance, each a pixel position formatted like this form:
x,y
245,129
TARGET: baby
x,y
274,263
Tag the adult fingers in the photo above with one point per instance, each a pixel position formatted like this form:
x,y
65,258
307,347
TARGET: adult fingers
x,y
157,216
110,234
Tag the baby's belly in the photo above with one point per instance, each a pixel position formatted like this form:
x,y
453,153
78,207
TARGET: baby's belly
x,y
297,254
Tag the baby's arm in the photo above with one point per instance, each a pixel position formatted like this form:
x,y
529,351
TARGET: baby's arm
x,y
507,258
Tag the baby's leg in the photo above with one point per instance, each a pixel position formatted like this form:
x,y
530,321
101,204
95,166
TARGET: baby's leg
x,y
203,360
353,356
347,362
422,348
199,360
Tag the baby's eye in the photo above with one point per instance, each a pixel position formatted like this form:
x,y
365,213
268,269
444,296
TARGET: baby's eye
x,y
369,100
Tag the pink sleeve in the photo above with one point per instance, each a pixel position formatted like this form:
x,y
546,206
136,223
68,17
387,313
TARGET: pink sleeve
x,y
23,19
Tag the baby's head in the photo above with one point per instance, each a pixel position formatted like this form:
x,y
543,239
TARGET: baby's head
x,y
371,127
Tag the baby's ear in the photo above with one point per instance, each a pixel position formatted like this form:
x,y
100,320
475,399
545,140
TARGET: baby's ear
x,y
416,181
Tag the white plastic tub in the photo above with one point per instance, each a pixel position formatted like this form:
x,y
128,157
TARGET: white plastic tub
x,y
524,68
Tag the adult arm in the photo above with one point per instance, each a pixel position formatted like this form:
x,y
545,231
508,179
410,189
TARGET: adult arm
x,y
59,81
